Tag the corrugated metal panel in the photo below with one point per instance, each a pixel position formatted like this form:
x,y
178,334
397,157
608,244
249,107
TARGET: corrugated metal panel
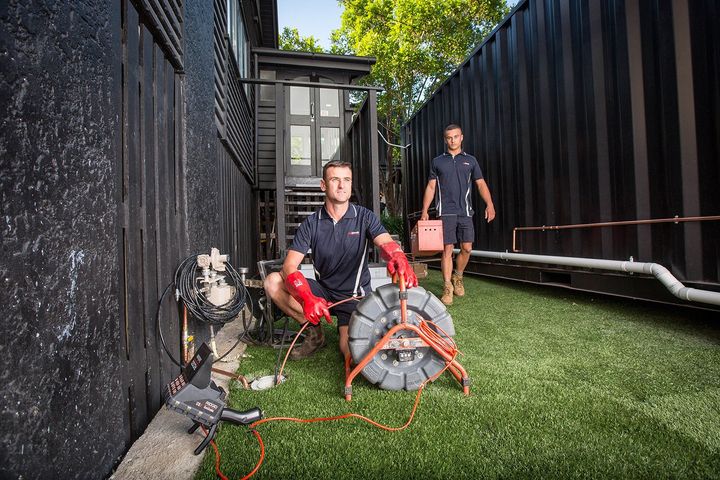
x,y
582,111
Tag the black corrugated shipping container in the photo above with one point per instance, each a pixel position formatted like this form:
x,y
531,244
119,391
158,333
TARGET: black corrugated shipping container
x,y
583,111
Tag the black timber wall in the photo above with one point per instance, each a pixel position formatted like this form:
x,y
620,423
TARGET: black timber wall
x,y
266,139
231,175
63,406
585,111
110,174
151,237
238,221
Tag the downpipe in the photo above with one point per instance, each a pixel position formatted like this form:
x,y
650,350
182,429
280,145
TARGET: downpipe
x,y
661,273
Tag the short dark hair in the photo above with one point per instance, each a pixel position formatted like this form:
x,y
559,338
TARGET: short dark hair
x,y
336,164
452,126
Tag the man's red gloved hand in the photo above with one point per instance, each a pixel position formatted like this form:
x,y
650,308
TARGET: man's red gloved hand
x,y
314,308
397,263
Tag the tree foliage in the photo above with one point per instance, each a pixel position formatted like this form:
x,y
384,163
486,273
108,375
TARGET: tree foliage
x,y
290,39
417,44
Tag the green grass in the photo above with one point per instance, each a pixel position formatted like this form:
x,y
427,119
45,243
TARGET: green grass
x,y
565,385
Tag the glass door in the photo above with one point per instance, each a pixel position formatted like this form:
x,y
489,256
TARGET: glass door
x,y
313,129
328,125
301,131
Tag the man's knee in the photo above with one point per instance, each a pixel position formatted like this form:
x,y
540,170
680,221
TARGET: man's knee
x,y
448,250
273,284
466,248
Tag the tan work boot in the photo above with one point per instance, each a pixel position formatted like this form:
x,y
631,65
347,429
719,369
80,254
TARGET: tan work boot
x,y
458,287
447,297
314,341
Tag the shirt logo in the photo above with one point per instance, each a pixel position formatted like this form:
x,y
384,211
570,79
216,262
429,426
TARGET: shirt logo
x,y
466,163
353,234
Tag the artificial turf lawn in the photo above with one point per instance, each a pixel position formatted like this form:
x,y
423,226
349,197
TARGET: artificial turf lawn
x,y
565,384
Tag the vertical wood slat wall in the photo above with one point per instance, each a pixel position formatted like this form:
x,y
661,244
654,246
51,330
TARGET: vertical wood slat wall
x,y
166,19
238,212
584,111
151,216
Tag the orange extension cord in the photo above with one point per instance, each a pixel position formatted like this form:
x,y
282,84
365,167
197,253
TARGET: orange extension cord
x,y
446,343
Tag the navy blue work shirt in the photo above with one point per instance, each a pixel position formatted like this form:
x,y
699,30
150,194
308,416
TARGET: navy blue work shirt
x,y
340,250
455,178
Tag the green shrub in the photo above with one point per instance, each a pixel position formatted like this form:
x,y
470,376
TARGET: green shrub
x,y
393,224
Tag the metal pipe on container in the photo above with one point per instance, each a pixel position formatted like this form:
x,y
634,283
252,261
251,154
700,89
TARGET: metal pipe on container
x,y
676,219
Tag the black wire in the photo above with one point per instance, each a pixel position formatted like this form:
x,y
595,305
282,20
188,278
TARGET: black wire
x,y
159,325
245,333
258,334
230,350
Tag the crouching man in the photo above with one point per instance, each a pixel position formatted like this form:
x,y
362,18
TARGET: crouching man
x,y
339,236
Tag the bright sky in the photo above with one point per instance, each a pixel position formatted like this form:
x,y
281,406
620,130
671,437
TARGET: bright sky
x,y
311,17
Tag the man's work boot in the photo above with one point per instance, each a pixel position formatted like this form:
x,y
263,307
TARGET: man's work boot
x,y
314,341
447,297
458,287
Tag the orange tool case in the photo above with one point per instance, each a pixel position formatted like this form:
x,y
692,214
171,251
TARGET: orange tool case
x,y
427,238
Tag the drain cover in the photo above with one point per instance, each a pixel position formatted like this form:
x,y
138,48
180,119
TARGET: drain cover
x,y
266,382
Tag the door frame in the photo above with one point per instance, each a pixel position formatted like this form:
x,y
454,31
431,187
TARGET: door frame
x,y
310,174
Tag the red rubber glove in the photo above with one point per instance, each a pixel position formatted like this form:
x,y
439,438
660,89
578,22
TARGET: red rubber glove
x,y
314,308
397,263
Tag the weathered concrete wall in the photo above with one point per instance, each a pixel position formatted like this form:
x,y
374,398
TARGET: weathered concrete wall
x,y
61,414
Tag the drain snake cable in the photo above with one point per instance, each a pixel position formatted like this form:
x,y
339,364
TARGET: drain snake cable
x,y
446,343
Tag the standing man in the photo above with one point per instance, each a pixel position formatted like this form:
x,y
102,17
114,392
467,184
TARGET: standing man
x,y
340,236
451,177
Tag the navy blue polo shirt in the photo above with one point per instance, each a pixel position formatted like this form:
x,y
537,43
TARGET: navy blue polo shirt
x,y
340,250
455,177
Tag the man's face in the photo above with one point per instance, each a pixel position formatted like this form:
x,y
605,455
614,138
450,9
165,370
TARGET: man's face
x,y
453,139
337,184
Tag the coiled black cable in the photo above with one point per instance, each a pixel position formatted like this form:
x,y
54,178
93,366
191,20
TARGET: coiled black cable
x,y
186,285
191,290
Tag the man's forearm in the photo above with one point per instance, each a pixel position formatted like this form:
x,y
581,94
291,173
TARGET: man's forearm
x,y
428,197
291,263
485,194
